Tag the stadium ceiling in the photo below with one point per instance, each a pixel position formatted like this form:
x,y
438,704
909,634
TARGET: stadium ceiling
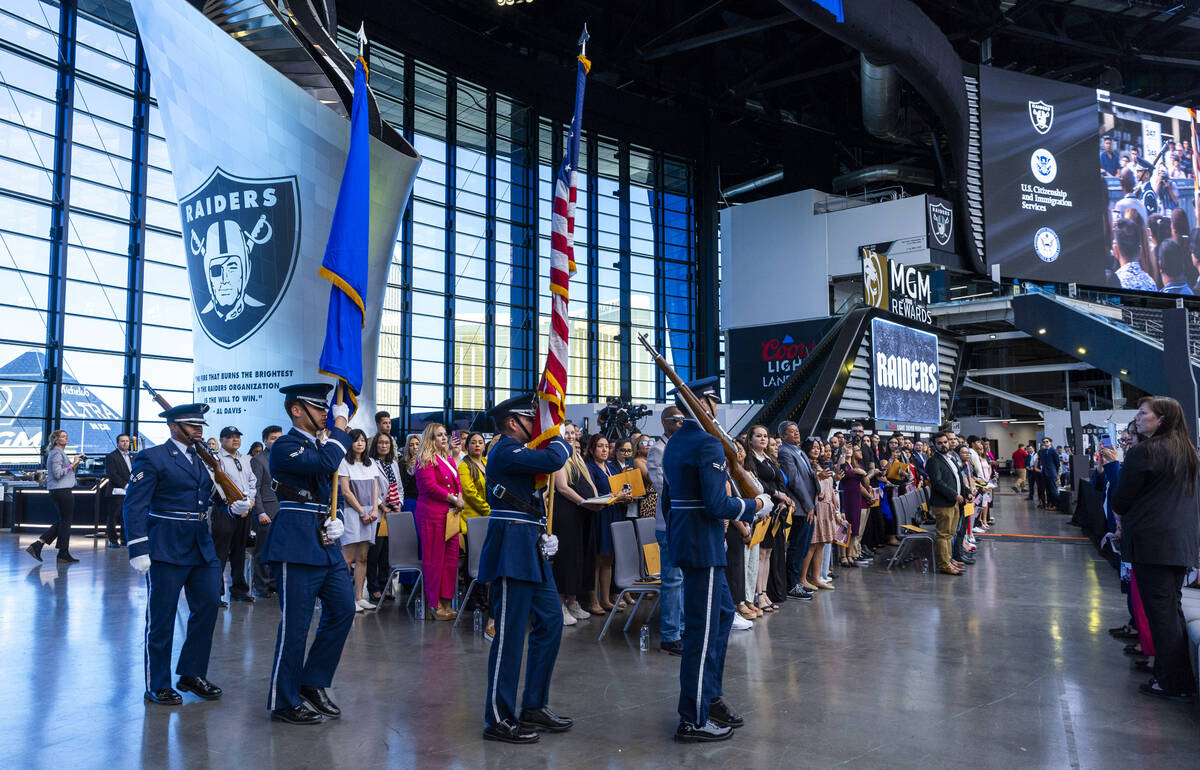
x,y
768,96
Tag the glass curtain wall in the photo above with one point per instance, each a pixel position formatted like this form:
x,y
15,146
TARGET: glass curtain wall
x,y
90,254
93,289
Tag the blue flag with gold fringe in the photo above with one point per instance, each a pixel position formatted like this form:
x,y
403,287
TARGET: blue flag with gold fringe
x,y
345,262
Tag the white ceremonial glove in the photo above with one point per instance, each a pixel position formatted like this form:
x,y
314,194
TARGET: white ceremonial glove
x,y
334,528
240,507
549,544
118,490
767,507
340,410
141,563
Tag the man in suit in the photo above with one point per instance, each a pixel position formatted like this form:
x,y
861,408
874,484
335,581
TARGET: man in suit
x,y
1051,467
802,485
697,506
302,545
117,465
516,563
671,615
946,495
266,506
167,505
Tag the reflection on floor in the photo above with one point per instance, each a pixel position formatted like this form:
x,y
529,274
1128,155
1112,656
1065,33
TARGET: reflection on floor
x,y
1009,666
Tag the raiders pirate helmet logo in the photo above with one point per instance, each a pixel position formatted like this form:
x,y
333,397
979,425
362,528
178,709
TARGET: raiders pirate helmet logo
x,y
242,237
941,222
1041,115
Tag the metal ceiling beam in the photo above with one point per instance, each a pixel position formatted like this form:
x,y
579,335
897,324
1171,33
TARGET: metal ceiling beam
x,y
689,21
803,76
750,27
1037,406
1076,366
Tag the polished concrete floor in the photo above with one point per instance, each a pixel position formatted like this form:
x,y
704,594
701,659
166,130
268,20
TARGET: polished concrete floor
x,y
1009,666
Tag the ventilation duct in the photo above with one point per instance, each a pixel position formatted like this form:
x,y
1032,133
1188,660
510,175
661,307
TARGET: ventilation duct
x,y
899,33
882,111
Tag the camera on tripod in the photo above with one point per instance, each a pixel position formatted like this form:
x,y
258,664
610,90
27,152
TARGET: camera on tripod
x,y
618,420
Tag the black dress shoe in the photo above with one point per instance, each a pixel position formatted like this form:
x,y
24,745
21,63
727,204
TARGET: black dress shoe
x,y
509,731
544,719
967,558
319,700
34,549
675,647
222,604
709,731
241,598
163,697
113,545
297,715
719,712
66,558
199,686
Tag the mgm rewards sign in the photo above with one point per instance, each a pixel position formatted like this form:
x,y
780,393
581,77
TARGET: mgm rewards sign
x,y
258,155
894,286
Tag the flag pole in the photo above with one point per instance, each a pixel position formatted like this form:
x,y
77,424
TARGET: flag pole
x,y
333,496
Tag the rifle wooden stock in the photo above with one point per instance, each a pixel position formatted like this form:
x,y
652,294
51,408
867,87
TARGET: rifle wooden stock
x,y
230,489
745,483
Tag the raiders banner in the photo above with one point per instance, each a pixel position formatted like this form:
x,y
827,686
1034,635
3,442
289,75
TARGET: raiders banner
x,y
1042,195
257,162
904,367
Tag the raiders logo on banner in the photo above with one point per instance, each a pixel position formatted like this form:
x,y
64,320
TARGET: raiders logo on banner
x,y
1041,115
941,222
242,238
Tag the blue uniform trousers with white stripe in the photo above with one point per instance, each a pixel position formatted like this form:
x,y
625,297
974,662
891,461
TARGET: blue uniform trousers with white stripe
x,y
299,586
516,604
707,618
201,584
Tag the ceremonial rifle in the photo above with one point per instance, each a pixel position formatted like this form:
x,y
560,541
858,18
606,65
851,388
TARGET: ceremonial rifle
x,y
228,488
746,485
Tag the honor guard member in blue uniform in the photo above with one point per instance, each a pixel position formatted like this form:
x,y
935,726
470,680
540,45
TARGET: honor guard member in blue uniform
x,y
302,546
167,505
695,504
516,562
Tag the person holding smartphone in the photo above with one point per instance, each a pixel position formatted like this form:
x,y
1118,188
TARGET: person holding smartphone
x,y
60,480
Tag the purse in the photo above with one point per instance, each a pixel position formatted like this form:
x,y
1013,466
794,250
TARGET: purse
x,y
647,504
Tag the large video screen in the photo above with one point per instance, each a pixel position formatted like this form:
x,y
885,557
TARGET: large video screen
x,y
1063,165
1043,199
904,364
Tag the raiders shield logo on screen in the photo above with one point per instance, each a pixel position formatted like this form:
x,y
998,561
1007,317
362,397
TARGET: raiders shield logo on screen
x,y
242,236
1041,115
941,222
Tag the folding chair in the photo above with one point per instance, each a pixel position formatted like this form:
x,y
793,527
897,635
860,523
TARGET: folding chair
x,y
644,529
476,533
627,571
403,552
910,538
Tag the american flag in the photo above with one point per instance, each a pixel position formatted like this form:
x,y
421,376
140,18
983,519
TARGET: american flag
x,y
552,389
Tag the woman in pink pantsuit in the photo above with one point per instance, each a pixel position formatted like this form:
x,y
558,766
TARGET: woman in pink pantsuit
x,y
439,492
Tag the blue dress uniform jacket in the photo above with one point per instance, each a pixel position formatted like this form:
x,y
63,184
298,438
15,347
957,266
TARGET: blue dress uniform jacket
x,y
163,481
305,571
511,546
694,498
523,593
166,506
695,502
298,462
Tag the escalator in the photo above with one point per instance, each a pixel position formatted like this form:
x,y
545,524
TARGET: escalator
x,y
1083,330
